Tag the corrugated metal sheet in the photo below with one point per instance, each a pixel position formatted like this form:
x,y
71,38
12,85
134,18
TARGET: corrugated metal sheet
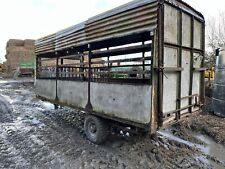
x,y
184,6
131,21
70,37
134,17
121,9
45,44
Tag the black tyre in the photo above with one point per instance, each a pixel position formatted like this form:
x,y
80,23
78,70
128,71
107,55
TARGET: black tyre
x,y
96,129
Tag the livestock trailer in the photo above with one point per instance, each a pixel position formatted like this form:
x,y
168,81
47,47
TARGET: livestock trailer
x,y
138,65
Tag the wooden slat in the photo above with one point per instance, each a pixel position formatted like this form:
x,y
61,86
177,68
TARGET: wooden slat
x,y
122,51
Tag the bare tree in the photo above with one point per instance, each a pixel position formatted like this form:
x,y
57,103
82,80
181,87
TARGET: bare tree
x,y
215,37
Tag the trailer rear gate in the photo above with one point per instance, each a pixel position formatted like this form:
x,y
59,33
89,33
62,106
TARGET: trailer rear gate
x,y
139,64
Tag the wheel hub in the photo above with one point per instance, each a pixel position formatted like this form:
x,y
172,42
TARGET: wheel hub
x,y
92,128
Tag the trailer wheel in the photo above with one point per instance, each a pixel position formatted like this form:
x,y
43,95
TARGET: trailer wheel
x,y
96,129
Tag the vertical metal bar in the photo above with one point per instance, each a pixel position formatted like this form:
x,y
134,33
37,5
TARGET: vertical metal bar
x,y
160,61
70,72
143,62
202,90
57,68
108,66
154,82
38,64
61,61
57,77
179,65
192,63
89,106
152,58
82,70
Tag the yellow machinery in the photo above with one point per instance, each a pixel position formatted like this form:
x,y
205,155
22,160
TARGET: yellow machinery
x,y
210,73
2,68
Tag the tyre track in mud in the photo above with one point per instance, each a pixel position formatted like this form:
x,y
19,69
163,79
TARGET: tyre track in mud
x,y
5,110
54,145
10,157
20,146
32,136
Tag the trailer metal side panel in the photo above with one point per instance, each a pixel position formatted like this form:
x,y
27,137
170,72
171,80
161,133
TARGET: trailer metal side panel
x,y
197,63
186,33
130,102
72,93
185,78
182,60
46,88
171,25
197,35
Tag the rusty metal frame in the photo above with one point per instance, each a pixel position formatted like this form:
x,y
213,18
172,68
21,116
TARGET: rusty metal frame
x,y
192,63
160,32
180,38
89,106
202,90
96,53
179,69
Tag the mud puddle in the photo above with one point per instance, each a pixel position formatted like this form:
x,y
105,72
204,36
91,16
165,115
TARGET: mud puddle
x,y
213,153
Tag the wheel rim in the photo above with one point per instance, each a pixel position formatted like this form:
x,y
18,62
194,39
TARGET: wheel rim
x,y
92,128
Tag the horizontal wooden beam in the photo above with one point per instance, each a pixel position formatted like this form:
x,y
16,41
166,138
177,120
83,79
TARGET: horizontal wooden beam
x,y
199,69
122,51
138,59
169,69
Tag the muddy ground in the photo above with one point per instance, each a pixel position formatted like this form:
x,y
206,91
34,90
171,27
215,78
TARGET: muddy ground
x,y
34,135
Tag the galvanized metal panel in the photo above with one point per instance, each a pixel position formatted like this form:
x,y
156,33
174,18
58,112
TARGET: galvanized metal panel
x,y
219,92
186,30
187,8
72,93
219,86
197,60
171,25
185,78
45,44
198,34
170,80
134,17
220,62
196,77
120,9
196,88
70,30
46,88
219,78
128,22
70,37
218,107
128,102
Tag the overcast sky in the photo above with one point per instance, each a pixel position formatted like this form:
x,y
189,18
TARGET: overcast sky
x,y
32,19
